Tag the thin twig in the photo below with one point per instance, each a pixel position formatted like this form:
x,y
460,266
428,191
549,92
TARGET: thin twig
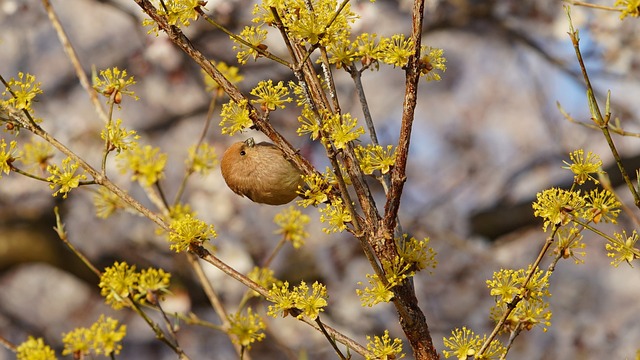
x,y
7,344
160,335
167,322
62,234
213,298
514,334
213,260
356,75
189,171
593,6
107,140
598,118
330,339
237,38
29,124
274,252
75,61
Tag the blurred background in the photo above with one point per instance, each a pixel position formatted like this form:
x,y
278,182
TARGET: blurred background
x,y
487,138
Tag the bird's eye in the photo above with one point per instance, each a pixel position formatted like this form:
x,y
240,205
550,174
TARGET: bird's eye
x,y
243,153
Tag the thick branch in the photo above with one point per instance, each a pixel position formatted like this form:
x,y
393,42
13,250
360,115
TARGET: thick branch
x,y
398,174
414,325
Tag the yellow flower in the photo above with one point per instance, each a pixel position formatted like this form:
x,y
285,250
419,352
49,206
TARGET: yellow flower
x,y
118,137
397,50
628,8
35,154
309,123
246,328
117,283
22,91
377,292
368,49
202,159
337,215
282,298
254,36
341,53
582,167
147,164
34,349
603,206
416,252
270,97
107,203
556,206
311,304
375,157
77,342
178,13
431,59
235,117
114,84
263,277
231,73
187,231
106,336
292,226
315,192
383,348
463,343
569,244
623,248
103,337
343,129
64,177
7,157
152,283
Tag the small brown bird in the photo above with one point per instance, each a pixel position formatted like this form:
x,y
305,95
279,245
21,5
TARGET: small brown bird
x,y
260,172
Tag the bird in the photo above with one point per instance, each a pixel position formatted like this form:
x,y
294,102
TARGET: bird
x,y
260,172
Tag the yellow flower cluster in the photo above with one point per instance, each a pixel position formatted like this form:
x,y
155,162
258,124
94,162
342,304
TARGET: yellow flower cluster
x,y
113,84
246,328
375,157
382,347
121,283
21,92
297,301
270,97
177,12
623,248
231,73
316,190
532,309
103,337
187,231
628,8
35,349
147,163
292,222
337,215
235,117
202,158
464,344
64,177
7,156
